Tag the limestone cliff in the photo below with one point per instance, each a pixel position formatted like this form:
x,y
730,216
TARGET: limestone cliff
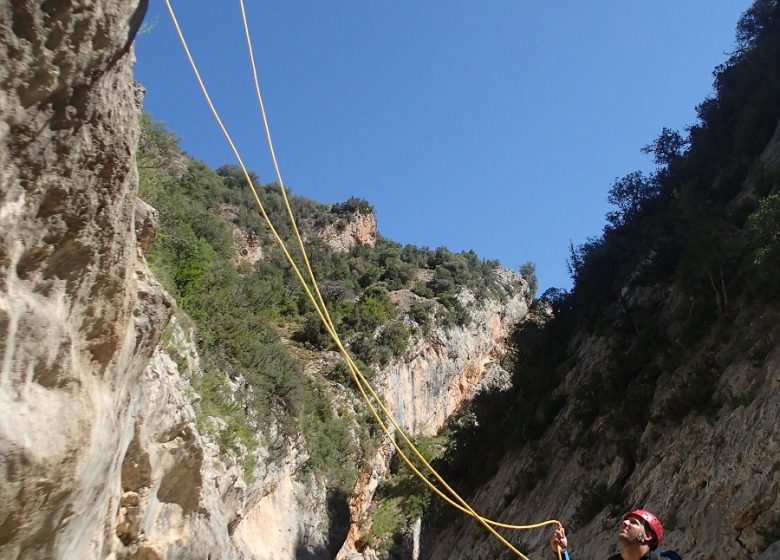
x,y
98,445
443,369
179,494
186,495
433,379
353,229
79,312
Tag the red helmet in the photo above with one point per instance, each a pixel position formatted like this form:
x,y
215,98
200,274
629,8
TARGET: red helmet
x,y
651,522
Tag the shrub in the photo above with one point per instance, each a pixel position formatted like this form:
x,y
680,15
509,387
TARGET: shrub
x,y
395,336
351,206
313,333
420,313
528,272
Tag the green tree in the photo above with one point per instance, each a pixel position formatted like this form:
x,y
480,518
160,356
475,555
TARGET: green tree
x,y
764,228
667,148
528,271
763,14
629,195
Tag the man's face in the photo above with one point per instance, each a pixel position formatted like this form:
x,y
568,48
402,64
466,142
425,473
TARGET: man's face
x,y
632,529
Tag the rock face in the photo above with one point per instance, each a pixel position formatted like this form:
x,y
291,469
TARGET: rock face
x,y
179,494
99,449
358,228
286,516
714,480
79,313
438,373
183,496
246,243
442,370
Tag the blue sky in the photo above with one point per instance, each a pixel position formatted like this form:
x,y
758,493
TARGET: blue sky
x,y
497,126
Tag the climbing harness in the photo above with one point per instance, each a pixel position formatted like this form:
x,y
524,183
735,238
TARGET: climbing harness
x,y
315,297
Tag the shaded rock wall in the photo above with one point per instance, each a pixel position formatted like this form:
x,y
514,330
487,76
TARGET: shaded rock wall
x,y
714,479
712,475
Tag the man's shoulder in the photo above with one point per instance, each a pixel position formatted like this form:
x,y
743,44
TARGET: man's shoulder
x,y
615,557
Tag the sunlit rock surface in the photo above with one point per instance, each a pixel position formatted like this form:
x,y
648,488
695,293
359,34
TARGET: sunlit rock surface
x,y
79,312
434,377
358,228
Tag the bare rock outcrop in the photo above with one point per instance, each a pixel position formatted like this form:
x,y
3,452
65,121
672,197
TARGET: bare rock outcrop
x,y
352,230
246,242
79,312
445,368
287,515
179,494
186,495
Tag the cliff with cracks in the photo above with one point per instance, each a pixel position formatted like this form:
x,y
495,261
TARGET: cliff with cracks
x,y
80,312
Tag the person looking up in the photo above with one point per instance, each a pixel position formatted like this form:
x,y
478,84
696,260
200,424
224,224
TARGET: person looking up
x,y
639,534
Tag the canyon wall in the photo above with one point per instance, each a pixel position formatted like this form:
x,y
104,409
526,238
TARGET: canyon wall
x,y
437,374
100,447
713,479
707,461
79,312
443,369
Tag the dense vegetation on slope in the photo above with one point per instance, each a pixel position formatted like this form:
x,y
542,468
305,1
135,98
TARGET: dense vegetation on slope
x,y
688,256
255,327
237,313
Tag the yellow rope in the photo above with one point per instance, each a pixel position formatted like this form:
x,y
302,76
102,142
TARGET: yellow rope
x,y
321,303
321,308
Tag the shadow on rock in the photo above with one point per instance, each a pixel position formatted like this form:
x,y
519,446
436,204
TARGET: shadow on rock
x,y
338,526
